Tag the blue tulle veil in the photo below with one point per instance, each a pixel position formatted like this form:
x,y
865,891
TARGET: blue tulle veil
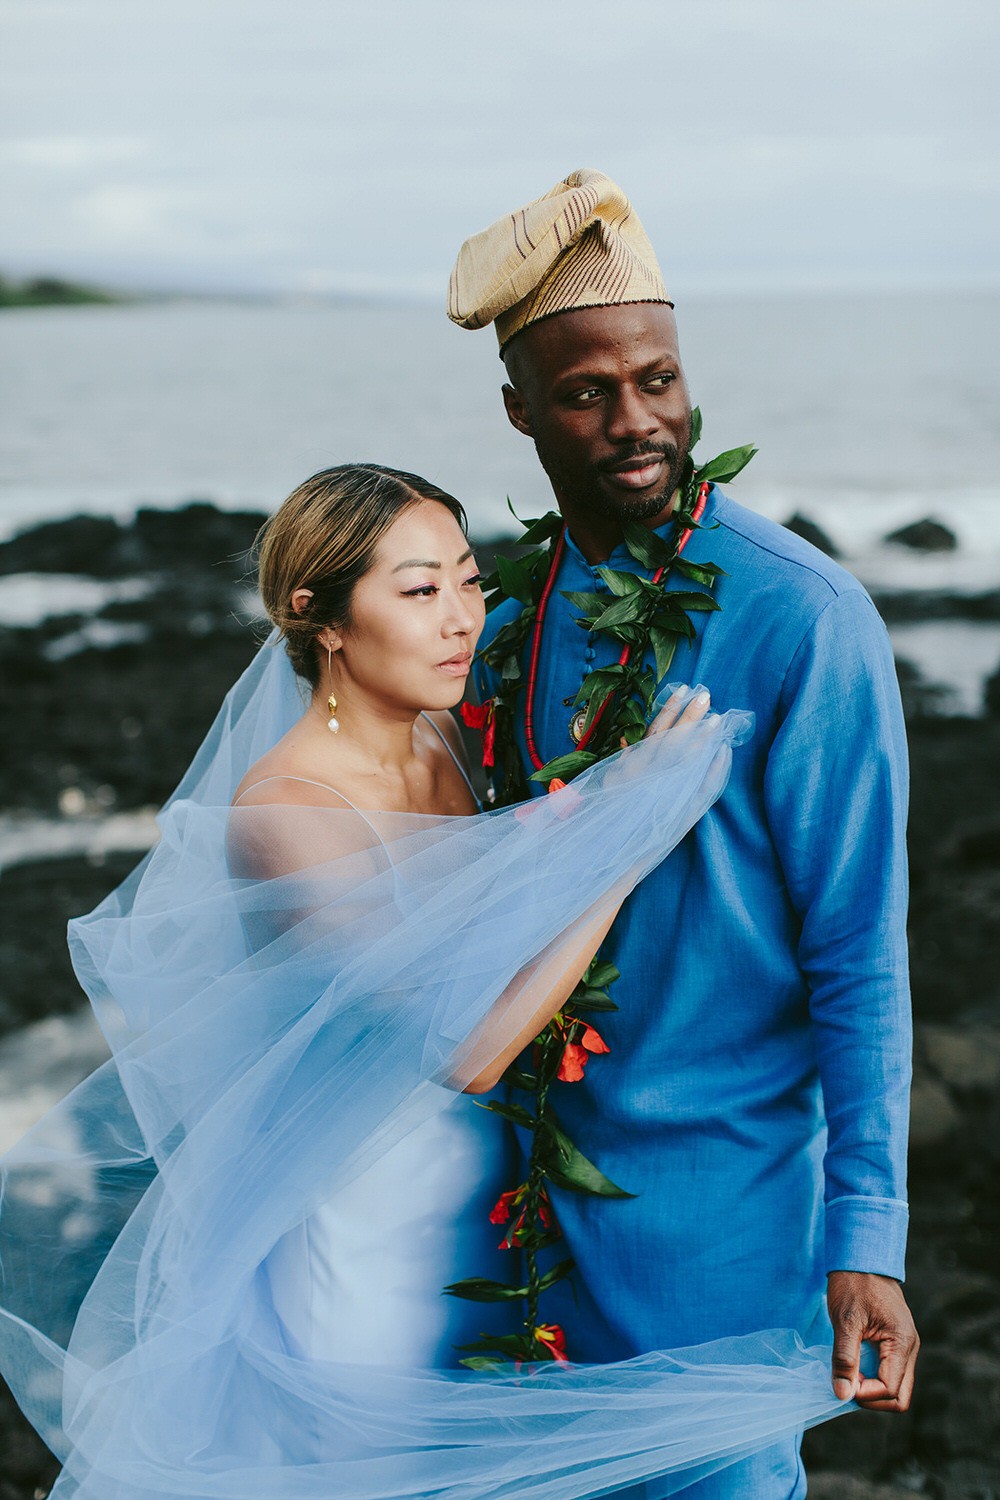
x,y
287,993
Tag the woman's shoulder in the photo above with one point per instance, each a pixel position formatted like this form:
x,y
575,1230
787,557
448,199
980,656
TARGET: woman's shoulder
x,y
285,781
447,727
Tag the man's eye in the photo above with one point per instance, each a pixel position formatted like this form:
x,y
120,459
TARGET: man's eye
x,y
585,397
662,381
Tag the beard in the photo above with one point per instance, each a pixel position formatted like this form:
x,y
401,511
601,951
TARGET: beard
x,y
582,484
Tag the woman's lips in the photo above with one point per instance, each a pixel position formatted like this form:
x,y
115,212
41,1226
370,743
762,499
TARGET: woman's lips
x,y
456,666
638,476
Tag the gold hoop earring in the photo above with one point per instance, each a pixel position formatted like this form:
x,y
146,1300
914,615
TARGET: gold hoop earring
x,y
332,723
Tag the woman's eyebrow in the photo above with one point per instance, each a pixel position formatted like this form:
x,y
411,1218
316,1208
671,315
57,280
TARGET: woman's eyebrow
x,y
424,562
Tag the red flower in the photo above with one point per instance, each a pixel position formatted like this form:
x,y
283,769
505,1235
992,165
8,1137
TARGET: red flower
x,y
556,784
574,1060
508,1208
505,1204
553,1340
576,1054
481,716
593,1041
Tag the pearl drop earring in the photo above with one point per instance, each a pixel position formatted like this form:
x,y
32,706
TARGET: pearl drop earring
x,y
332,723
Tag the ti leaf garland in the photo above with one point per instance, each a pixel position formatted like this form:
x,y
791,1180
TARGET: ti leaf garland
x,y
650,619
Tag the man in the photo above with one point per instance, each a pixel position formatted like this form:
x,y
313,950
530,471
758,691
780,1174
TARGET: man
x,y
755,1097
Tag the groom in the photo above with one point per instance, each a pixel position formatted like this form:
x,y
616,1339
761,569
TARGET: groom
x,y
755,1096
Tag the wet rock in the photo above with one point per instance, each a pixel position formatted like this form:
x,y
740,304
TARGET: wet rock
x,y
991,695
196,535
905,606
79,544
978,846
933,1113
927,535
920,698
966,1059
859,1443
810,532
959,1403
831,1485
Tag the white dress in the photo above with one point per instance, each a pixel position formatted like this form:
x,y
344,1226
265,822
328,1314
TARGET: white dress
x,y
360,1280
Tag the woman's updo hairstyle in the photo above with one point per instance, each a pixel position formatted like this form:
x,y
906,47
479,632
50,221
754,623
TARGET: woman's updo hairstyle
x,y
324,538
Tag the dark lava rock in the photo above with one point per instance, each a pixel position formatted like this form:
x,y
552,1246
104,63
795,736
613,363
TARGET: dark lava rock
x,y
992,694
919,697
196,535
927,535
901,606
810,532
27,1468
128,717
38,899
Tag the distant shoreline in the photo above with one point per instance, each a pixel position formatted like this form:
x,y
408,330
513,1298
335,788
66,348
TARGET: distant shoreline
x,y
54,291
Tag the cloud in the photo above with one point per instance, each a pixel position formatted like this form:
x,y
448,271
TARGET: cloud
x,y
329,144
71,153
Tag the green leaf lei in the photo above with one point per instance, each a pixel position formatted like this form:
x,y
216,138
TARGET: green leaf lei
x,y
650,619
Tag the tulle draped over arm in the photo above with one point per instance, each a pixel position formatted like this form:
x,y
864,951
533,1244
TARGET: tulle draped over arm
x,y
287,992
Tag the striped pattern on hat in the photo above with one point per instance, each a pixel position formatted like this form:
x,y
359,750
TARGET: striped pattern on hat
x,y
581,245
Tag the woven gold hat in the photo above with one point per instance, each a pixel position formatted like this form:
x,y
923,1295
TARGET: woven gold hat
x,y
581,245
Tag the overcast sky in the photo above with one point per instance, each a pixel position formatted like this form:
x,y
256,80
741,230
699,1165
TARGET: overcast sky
x,y
325,145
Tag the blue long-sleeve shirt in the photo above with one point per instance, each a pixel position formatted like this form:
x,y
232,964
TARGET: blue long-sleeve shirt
x,y
755,1098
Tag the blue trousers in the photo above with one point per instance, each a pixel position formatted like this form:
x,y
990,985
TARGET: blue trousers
x,y
776,1473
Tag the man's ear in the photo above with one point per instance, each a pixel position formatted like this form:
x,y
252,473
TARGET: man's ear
x,y
517,410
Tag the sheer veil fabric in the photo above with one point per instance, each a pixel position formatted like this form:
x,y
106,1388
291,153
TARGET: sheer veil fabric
x,y
287,993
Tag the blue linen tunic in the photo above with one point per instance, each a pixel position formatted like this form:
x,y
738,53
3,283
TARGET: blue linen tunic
x,y
755,1097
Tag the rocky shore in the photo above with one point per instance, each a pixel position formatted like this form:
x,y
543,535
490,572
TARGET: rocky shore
x,y
103,707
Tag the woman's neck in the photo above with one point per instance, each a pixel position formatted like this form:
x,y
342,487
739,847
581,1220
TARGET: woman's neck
x,y
380,739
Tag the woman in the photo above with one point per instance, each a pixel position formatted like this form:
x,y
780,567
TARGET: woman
x,y
237,1231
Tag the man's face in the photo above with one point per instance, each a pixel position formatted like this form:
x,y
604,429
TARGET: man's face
x,y
602,393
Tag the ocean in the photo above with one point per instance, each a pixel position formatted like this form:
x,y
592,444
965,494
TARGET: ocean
x,y
869,411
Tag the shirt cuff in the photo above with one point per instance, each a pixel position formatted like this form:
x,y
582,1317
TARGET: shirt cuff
x,y
867,1234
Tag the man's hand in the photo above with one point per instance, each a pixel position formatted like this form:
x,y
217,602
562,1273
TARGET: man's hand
x,y
864,1306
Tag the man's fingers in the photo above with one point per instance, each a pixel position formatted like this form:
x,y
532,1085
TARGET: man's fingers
x,y
892,1388
846,1358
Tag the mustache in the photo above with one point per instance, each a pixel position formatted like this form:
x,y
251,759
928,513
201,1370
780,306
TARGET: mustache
x,y
667,451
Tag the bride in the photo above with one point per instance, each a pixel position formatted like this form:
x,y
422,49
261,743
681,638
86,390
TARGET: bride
x,y
223,1255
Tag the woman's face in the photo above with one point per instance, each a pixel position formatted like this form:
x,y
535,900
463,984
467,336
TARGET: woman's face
x,y
415,615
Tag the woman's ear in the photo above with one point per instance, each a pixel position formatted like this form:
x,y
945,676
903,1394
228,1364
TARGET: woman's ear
x,y
300,600
330,639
